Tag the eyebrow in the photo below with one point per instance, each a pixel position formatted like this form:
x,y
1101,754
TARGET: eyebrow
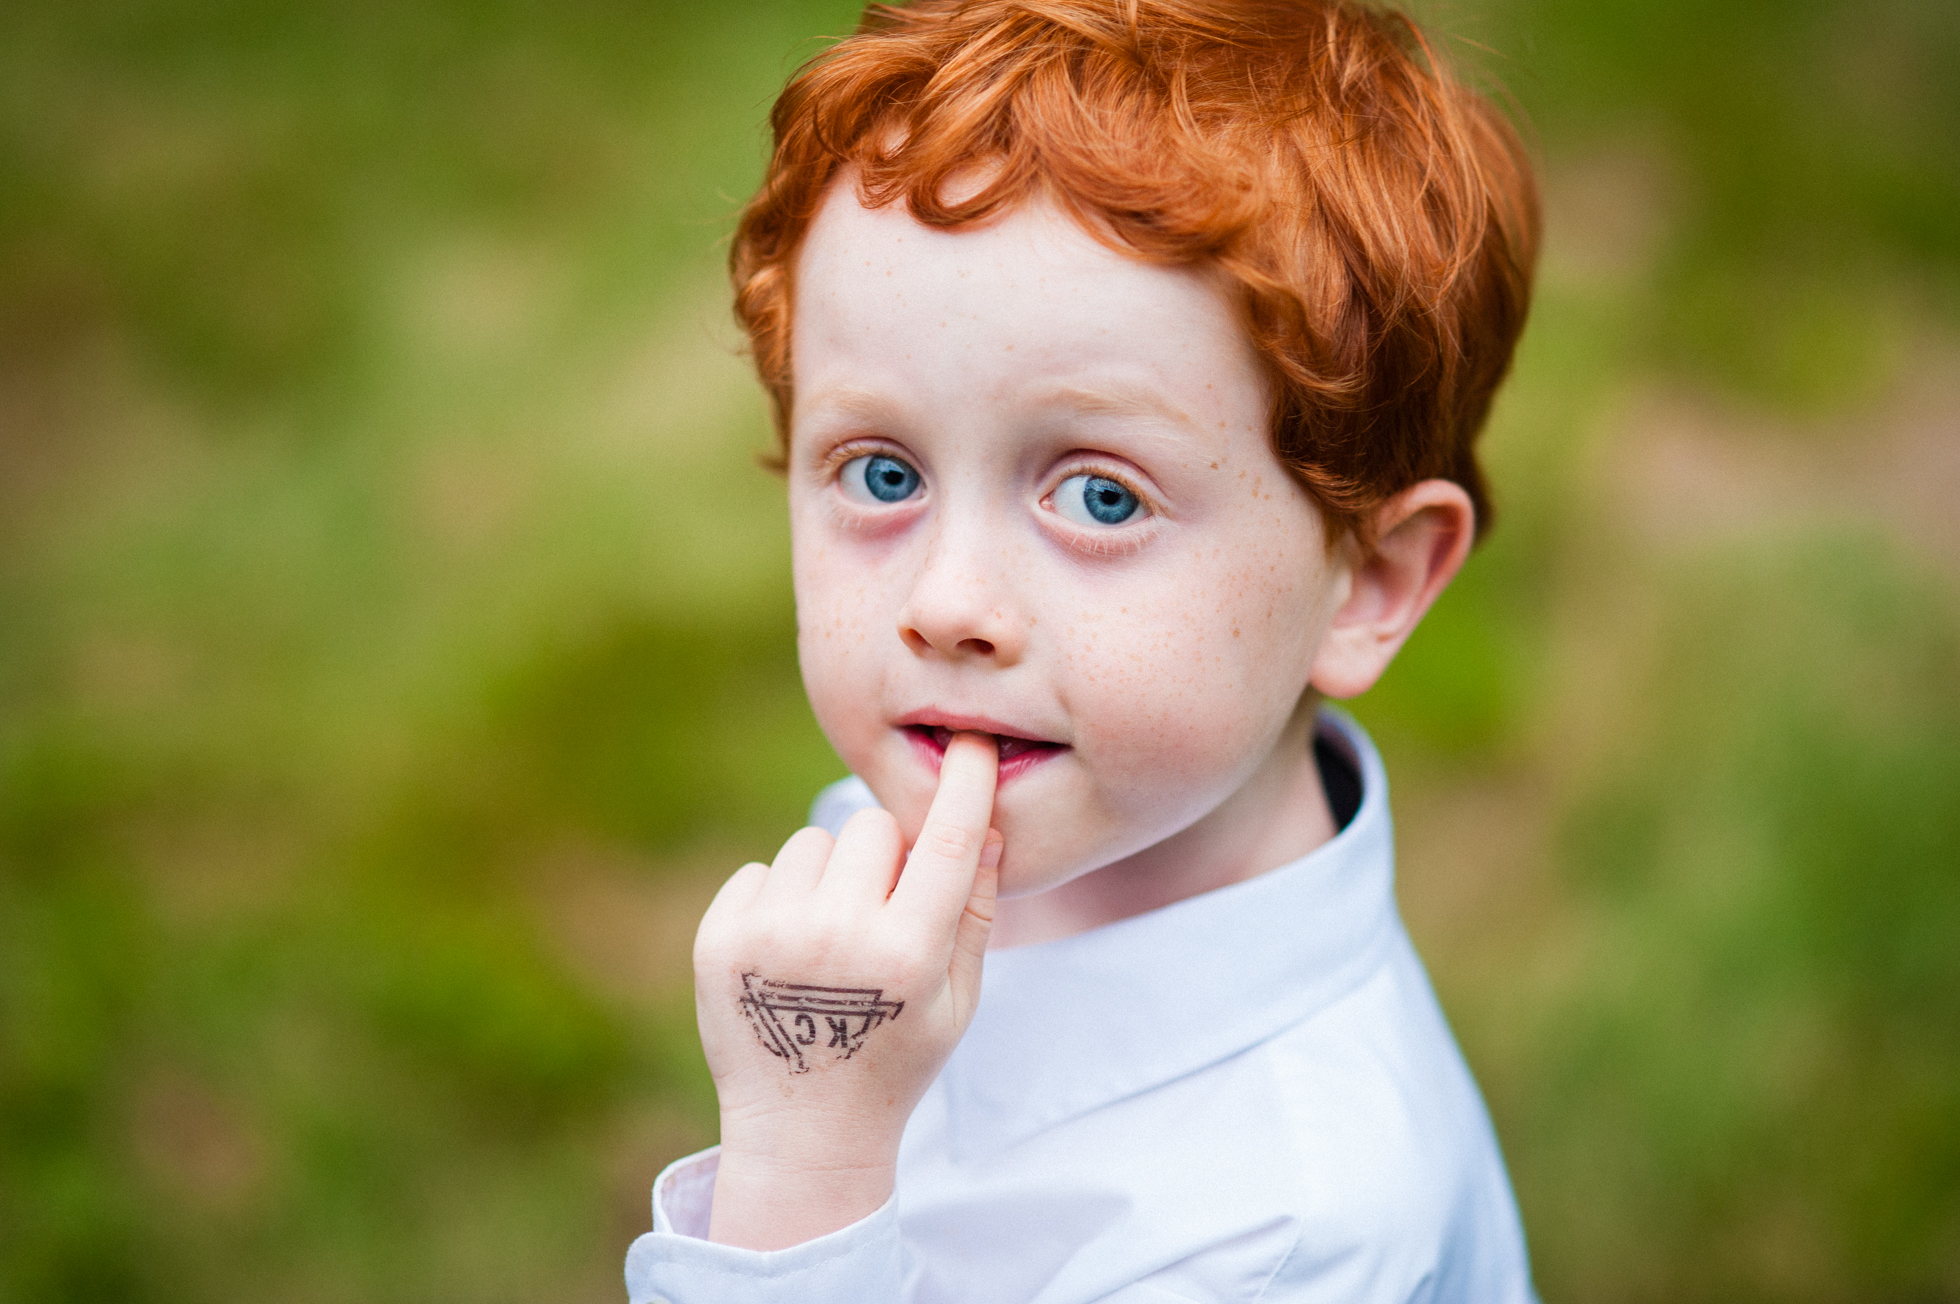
x,y
1141,402
848,400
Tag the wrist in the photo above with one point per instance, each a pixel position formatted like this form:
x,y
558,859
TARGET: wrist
x,y
770,1201
798,1135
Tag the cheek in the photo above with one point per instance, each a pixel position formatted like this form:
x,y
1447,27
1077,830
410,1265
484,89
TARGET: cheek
x,y
1189,682
838,617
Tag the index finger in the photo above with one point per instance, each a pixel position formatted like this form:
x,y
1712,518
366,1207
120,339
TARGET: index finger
x,y
938,875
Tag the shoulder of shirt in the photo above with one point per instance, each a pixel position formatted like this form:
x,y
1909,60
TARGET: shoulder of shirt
x,y
1387,1141
1359,1131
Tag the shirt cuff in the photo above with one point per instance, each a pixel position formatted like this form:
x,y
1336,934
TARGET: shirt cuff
x,y
675,1263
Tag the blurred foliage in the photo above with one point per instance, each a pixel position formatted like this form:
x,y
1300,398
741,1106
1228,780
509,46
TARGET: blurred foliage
x,y
382,555
1748,1090
1803,150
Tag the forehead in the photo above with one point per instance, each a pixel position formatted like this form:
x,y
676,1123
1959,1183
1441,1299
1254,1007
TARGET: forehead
x,y
1029,297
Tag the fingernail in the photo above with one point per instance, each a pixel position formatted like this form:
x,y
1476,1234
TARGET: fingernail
x,y
990,849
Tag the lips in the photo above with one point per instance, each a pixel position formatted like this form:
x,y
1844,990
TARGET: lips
x,y
1010,746
1017,754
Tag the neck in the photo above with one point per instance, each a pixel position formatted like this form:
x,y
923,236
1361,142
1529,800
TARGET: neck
x,y
1277,816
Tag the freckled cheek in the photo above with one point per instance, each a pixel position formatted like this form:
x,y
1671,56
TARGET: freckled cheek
x,y
838,619
1193,677
1162,693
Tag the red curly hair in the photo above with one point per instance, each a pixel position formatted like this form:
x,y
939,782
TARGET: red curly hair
x,y
1378,220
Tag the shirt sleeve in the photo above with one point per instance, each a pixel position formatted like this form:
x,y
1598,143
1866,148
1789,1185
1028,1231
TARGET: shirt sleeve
x,y
675,1263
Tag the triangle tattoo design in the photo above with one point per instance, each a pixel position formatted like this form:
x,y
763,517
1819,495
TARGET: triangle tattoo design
x,y
792,1018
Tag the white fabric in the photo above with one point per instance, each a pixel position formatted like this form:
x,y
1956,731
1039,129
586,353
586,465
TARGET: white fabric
x,y
1247,1095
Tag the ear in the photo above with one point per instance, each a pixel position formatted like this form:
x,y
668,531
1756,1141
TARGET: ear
x,y
1423,534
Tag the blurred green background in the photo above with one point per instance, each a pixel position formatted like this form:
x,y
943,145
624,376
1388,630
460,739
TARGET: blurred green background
x,y
396,644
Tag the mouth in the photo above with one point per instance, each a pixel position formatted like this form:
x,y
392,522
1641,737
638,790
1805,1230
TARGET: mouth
x,y
1018,755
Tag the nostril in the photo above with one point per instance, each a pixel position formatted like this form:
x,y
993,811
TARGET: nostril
x,y
919,642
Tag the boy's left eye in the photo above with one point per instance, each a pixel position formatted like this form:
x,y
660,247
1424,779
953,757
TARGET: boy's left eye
x,y
1096,502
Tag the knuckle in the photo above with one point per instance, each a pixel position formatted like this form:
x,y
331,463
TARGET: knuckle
x,y
828,926
810,841
948,841
710,939
873,819
737,889
776,939
899,955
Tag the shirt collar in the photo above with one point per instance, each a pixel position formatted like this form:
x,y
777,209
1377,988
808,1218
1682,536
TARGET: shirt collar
x,y
1068,1026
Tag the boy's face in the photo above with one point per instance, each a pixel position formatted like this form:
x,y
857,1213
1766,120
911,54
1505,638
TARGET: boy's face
x,y
1032,493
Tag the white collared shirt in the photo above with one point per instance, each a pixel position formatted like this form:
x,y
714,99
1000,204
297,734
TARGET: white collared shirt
x,y
1248,1095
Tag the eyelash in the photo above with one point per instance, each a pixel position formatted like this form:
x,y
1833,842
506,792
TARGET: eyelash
x,y
1107,543
836,458
1100,472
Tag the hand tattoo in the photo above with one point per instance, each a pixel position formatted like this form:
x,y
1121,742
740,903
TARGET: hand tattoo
x,y
786,1016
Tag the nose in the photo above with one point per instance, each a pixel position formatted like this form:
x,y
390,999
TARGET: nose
x,y
960,609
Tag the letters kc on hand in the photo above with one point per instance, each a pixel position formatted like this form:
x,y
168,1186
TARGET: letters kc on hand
x,y
785,1015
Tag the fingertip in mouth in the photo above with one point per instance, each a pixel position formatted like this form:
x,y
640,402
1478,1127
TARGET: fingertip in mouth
x,y
1017,754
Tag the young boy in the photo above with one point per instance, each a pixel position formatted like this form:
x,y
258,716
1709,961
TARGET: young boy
x,y
1129,356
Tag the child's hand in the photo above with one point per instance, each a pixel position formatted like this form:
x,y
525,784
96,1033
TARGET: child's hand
x,y
830,988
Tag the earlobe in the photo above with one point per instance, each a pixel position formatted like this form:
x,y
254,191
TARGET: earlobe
x,y
1422,536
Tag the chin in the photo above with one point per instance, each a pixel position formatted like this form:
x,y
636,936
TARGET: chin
x,y
1032,876
1031,864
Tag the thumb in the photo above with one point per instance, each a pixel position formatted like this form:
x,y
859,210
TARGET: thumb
x,y
975,926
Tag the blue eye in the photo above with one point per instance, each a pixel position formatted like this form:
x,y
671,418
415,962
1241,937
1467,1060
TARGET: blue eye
x,y
878,478
1096,501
